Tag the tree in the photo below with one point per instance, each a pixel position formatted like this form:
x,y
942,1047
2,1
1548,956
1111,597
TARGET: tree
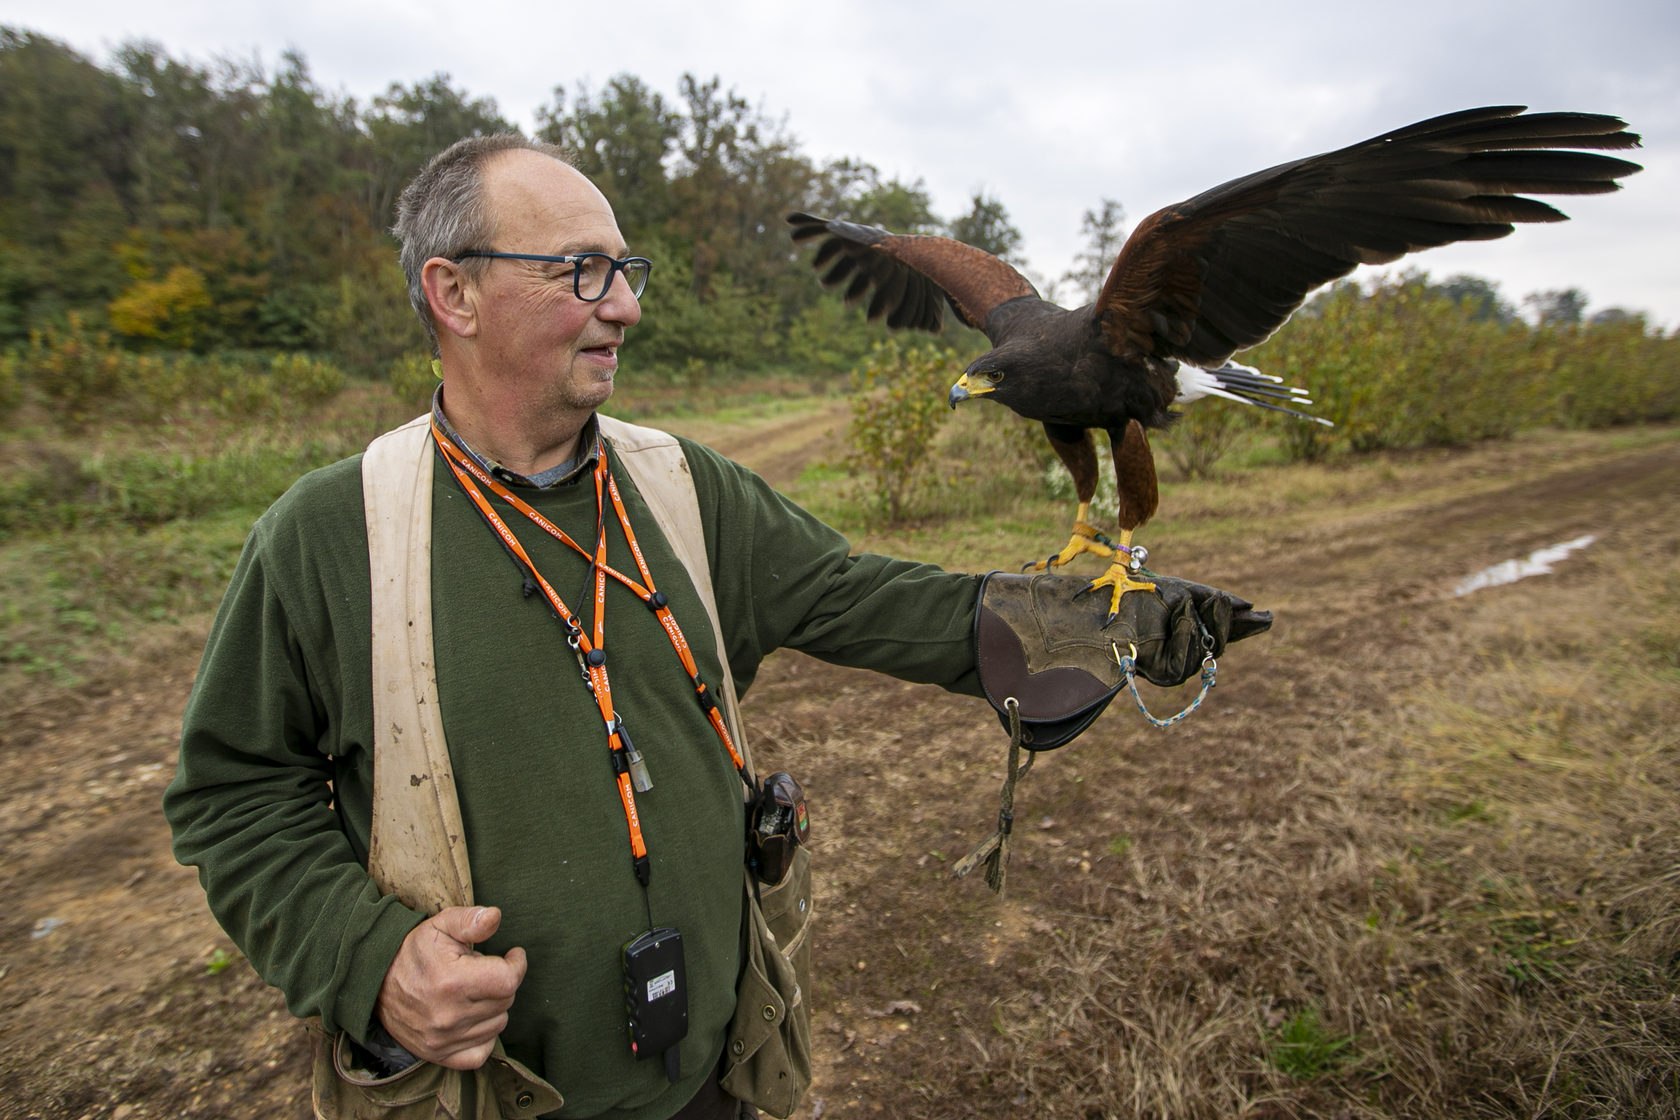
x,y
854,190
622,139
407,125
1479,298
62,178
1558,306
736,173
1104,233
987,226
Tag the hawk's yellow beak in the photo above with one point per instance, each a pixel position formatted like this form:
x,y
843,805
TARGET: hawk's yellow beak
x,y
964,389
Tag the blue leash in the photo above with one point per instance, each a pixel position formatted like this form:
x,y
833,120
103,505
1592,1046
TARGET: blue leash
x,y
1128,666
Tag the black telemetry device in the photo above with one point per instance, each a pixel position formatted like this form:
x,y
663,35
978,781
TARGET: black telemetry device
x,y
656,996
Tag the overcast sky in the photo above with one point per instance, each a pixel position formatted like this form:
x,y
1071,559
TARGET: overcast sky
x,y
1049,105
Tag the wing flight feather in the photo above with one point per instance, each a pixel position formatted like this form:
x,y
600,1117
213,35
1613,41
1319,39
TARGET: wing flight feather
x,y
1221,271
909,278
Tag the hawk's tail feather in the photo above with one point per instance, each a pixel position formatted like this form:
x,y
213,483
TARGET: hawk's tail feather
x,y
1246,385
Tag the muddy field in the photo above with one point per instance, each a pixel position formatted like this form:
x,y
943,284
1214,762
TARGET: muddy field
x,y
119,997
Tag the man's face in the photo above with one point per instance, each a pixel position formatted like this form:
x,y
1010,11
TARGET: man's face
x,y
532,328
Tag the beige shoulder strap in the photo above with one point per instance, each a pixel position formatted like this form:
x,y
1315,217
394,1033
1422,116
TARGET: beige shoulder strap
x,y
418,847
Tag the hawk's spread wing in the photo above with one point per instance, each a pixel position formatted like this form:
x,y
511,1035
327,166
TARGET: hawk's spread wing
x,y
1223,270
909,277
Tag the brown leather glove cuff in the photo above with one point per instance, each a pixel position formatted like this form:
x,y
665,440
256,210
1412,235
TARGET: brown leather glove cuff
x,y
1039,641
1035,643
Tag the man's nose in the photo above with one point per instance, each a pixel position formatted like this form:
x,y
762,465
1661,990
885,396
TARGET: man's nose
x,y
620,304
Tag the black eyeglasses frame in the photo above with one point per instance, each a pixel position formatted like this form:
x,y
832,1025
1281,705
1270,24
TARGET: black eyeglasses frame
x,y
636,270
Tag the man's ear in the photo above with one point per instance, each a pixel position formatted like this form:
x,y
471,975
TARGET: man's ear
x,y
452,297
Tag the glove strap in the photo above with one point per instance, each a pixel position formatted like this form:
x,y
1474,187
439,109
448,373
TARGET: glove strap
x,y
995,851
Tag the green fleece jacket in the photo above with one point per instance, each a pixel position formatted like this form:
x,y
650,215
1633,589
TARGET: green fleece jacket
x,y
271,800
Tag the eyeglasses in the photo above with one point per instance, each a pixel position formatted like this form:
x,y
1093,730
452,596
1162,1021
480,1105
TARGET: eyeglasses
x,y
592,273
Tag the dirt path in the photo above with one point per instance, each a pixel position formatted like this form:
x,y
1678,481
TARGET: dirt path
x,y
111,1005
780,448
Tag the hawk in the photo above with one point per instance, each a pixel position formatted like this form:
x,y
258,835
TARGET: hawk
x,y
1200,280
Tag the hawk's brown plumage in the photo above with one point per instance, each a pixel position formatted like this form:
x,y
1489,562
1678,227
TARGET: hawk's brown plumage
x,y
1202,279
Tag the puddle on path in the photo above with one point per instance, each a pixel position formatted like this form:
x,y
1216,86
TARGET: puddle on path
x,y
1538,563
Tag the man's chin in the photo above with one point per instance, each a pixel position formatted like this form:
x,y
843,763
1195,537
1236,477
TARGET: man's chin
x,y
595,389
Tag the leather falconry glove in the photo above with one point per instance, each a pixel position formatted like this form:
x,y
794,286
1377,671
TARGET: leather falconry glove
x,y
1042,643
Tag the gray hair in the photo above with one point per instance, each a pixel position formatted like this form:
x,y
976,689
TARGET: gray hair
x,y
442,213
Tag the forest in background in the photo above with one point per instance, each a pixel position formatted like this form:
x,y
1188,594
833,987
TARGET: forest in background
x,y
214,206
183,206
181,239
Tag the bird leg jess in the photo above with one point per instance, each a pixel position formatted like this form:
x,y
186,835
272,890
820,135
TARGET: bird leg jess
x,y
1137,494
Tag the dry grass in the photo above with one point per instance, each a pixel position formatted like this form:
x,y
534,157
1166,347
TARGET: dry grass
x,y
1460,900
1416,858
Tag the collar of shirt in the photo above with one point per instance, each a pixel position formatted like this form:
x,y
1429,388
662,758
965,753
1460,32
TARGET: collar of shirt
x,y
568,471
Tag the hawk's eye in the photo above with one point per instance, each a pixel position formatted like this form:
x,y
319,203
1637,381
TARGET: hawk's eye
x,y
992,377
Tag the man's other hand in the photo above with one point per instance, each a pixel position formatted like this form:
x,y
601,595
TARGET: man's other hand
x,y
443,1000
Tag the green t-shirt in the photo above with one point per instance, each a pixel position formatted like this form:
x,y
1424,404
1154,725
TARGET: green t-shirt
x,y
272,797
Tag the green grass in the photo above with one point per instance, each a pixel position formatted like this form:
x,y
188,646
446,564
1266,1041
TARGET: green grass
x,y
80,602
1303,1047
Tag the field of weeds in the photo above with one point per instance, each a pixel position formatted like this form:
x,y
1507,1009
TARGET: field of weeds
x,y
1415,857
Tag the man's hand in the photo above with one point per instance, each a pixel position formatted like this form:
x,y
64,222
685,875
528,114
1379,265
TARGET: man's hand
x,y
442,1000
1044,644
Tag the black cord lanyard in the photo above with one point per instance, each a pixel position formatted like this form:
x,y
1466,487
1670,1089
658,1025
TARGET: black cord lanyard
x,y
629,768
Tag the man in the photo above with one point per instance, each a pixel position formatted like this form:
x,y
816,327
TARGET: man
x,y
518,270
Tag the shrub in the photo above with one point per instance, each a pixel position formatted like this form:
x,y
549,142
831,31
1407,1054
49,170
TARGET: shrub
x,y
1404,366
303,380
1611,373
1203,433
154,384
236,389
75,370
988,462
412,378
174,310
897,410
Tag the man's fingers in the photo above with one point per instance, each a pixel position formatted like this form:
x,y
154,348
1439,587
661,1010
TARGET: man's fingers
x,y
465,1047
468,1057
488,979
468,925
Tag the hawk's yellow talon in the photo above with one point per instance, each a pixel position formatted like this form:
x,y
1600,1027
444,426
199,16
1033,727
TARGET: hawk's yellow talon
x,y
1119,579
1084,538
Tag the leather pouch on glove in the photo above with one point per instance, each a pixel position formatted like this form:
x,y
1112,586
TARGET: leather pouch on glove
x,y
1041,643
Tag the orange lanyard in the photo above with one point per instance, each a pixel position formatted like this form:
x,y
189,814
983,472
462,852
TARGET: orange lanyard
x,y
628,766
